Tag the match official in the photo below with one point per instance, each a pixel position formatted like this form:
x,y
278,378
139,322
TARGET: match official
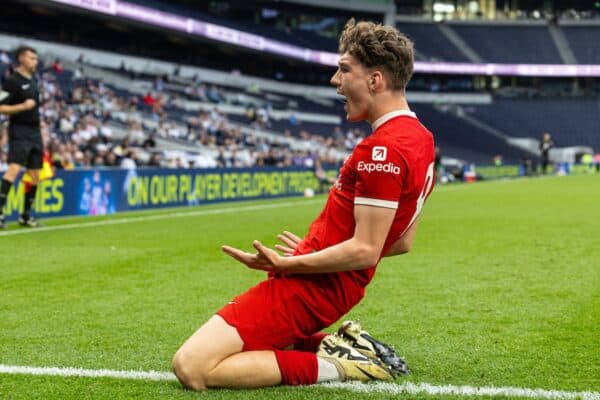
x,y
19,99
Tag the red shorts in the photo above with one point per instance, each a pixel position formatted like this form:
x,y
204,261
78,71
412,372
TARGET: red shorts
x,y
280,311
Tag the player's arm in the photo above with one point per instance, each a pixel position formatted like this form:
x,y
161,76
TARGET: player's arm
x,y
5,101
401,246
9,109
17,108
404,243
359,252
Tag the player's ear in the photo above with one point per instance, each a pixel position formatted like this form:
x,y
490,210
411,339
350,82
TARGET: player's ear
x,y
376,80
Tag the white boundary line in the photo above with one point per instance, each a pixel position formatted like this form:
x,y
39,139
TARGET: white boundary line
x,y
87,373
143,218
376,387
426,388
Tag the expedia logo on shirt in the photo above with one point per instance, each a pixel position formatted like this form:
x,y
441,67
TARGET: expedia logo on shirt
x,y
379,153
390,167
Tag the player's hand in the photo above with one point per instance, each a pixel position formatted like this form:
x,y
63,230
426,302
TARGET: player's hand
x,y
265,259
28,104
290,240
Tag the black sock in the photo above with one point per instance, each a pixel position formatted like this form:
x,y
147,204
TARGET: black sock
x,y
4,189
29,199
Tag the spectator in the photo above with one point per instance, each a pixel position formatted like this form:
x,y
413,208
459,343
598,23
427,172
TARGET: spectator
x,y
78,74
545,145
159,84
110,159
155,160
5,58
149,142
222,161
81,160
149,99
271,159
129,161
57,66
122,67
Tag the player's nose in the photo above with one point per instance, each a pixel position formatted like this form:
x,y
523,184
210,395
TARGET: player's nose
x,y
335,79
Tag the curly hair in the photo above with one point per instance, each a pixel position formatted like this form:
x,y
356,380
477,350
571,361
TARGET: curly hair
x,y
376,45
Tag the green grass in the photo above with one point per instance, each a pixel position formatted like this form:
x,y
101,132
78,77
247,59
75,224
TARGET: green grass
x,y
502,288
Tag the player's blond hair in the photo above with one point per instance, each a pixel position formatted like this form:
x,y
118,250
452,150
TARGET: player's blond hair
x,y
379,46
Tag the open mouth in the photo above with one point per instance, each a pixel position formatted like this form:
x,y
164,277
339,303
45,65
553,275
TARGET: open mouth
x,y
342,99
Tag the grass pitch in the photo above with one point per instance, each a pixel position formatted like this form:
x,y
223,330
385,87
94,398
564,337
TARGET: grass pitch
x,y
502,288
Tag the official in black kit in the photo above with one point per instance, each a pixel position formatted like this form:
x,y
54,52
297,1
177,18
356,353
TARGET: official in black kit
x,y
20,99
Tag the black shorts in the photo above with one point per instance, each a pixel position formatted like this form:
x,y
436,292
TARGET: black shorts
x,y
25,146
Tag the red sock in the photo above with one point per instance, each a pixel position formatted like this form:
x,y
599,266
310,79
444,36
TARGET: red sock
x,y
311,343
297,367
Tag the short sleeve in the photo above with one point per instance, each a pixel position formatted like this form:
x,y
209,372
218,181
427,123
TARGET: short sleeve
x,y
380,171
7,92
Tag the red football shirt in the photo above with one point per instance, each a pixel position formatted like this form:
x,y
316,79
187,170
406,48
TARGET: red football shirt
x,y
391,168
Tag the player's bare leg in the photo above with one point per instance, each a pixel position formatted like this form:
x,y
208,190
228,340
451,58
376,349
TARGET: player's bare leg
x,y
11,172
213,357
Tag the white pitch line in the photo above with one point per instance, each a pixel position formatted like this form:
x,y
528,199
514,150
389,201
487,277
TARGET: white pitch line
x,y
426,388
144,218
375,387
87,373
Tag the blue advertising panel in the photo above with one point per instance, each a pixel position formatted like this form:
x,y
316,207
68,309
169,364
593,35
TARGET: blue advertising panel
x,y
106,191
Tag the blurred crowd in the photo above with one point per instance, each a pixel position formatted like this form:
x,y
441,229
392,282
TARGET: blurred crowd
x,y
86,123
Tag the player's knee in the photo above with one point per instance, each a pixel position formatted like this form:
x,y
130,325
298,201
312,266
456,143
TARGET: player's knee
x,y
11,172
188,375
405,249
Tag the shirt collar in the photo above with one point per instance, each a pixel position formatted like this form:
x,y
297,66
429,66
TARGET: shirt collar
x,y
392,114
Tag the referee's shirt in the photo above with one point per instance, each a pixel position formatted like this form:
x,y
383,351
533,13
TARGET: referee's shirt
x,y
16,90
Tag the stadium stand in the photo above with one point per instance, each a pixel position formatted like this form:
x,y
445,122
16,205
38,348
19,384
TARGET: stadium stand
x,y
584,40
462,140
90,123
571,120
296,36
430,42
509,43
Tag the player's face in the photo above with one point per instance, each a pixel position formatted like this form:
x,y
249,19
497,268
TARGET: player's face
x,y
351,81
29,61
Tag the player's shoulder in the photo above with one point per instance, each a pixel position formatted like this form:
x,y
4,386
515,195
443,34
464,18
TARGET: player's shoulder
x,y
409,131
10,82
405,134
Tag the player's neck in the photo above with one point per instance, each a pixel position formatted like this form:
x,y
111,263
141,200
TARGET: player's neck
x,y
23,71
386,103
